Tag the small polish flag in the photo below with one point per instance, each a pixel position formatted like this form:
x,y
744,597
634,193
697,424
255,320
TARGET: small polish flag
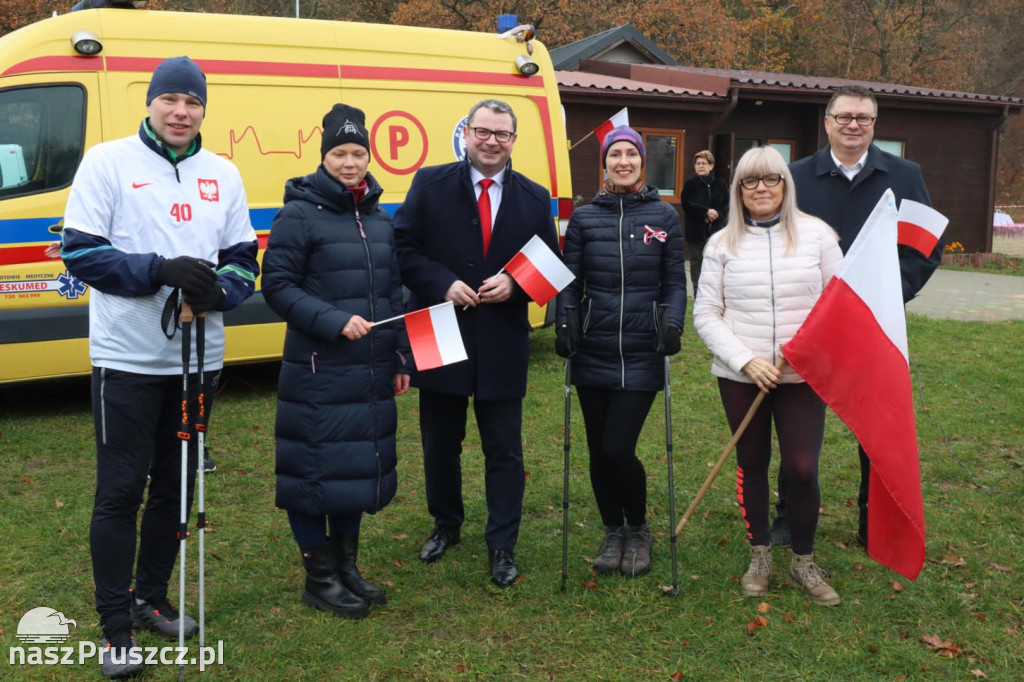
x,y
434,336
920,226
539,271
619,119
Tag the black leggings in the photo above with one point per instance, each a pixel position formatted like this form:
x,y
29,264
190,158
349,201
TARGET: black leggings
x,y
799,416
613,421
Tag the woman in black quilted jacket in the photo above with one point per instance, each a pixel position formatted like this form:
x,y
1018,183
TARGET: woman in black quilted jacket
x,y
330,270
618,320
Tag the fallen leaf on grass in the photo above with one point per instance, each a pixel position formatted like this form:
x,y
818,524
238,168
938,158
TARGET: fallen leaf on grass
x,y
764,607
952,559
873,648
897,586
398,563
676,676
591,583
980,617
980,675
789,618
996,567
758,622
942,647
60,505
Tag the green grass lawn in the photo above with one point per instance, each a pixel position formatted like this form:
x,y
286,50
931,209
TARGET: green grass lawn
x,y
444,620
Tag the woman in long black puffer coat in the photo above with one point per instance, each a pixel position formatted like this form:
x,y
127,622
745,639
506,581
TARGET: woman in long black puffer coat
x,y
619,320
330,270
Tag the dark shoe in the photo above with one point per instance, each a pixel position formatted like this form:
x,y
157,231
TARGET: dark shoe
x,y
117,660
636,555
609,558
438,543
161,617
324,589
503,567
346,550
209,466
781,536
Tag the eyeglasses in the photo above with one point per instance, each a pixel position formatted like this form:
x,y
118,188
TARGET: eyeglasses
x,y
483,134
770,180
863,120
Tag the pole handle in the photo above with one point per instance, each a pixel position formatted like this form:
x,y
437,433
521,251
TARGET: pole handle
x,y
186,311
725,453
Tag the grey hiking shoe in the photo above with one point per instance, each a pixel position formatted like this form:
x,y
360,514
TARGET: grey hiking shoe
x,y
120,656
609,558
161,617
636,555
804,573
755,581
209,466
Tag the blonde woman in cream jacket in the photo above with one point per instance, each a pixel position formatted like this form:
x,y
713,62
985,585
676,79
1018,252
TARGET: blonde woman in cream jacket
x,y
760,277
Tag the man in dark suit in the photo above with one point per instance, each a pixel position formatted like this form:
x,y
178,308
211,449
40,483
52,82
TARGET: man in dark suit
x,y
459,225
841,184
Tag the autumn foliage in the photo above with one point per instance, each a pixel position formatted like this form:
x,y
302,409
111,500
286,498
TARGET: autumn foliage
x,y
965,45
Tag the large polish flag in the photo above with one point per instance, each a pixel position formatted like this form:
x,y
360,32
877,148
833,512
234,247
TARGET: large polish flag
x,y
540,272
616,121
434,336
852,350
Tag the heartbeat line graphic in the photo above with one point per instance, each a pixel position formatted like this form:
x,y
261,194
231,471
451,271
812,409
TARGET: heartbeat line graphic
x,y
234,139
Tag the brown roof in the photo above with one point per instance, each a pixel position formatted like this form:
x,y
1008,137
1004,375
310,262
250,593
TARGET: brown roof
x,y
597,81
788,80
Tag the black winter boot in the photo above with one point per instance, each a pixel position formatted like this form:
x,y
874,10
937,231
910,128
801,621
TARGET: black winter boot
x,y
324,590
346,549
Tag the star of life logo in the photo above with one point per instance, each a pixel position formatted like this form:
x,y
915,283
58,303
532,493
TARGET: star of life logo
x,y
43,635
208,190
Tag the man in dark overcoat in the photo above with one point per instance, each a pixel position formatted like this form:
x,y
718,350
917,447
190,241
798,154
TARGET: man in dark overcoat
x,y
841,183
459,225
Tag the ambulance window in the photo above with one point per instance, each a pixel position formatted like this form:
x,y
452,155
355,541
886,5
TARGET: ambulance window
x,y
42,133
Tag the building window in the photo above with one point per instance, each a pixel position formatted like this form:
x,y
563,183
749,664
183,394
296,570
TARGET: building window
x,y
894,147
664,161
784,147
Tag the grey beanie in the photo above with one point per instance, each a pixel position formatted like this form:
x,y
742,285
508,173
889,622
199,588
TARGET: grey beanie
x,y
177,74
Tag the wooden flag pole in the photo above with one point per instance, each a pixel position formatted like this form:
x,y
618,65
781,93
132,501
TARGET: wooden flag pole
x,y
725,453
580,141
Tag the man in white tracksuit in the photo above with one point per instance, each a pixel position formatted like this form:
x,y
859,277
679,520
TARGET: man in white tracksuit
x,y
148,216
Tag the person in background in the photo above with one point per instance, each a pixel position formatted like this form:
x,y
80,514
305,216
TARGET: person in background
x,y
705,201
149,215
762,274
330,271
628,303
459,225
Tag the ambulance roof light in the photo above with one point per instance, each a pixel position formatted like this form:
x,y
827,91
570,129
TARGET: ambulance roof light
x,y
86,43
101,4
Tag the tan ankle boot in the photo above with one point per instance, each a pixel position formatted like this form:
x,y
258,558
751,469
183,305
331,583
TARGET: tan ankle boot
x,y
804,573
755,581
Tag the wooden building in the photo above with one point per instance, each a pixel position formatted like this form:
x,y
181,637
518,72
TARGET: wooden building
x,y
954,136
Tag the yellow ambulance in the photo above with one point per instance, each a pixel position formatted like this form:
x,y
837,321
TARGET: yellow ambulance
x,y
71,81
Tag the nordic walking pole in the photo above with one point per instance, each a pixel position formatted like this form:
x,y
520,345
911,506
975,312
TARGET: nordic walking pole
x,y
184,435
725,453
201,421
565,473
671,479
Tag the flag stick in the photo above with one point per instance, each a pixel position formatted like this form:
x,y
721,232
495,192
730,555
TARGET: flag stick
x,y
725,453
580,141
398,317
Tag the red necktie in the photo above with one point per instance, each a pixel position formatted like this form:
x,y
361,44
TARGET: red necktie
x,y
483,203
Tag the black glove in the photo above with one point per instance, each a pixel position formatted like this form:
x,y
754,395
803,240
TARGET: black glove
x,y
205,301
668,342
193,276
567,335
